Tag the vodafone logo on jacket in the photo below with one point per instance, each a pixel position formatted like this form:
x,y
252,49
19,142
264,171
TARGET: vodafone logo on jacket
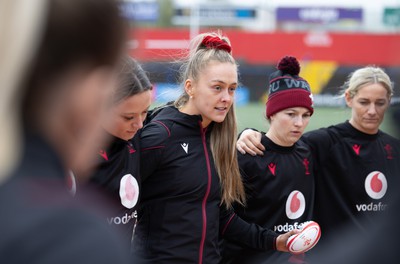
x,y
129,191
376,185
295,205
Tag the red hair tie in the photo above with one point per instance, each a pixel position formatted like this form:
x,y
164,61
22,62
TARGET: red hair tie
x,y
216,43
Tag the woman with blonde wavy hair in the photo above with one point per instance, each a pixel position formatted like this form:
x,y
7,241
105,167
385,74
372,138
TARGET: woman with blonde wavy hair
x,y
189,169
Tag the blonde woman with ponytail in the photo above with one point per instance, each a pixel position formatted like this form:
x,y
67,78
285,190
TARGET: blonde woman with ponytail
x,y
189,169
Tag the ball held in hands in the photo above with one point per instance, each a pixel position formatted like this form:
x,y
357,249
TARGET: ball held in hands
x,y
306,239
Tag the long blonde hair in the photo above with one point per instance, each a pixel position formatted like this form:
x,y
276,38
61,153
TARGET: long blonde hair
x,y
224,134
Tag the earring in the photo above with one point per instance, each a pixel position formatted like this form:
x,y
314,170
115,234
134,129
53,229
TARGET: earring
x,y
191,97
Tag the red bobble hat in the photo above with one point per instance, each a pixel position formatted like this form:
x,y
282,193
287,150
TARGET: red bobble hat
x,y
287,89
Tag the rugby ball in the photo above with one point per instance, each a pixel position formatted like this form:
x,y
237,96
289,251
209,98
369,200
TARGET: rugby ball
x,y
306,239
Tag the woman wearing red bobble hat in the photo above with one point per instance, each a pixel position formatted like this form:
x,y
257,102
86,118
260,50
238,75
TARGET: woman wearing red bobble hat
x,y
279,185
287,88
190,175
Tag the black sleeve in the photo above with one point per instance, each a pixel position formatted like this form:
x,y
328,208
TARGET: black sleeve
x,y
151,114
320,143
246,167
152,140
251,235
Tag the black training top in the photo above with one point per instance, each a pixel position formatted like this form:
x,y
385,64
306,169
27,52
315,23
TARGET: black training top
x,y
280,195
117,172
181,219
357,174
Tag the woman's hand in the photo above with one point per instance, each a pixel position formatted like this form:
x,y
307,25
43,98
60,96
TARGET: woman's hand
x,y
250,142
282,239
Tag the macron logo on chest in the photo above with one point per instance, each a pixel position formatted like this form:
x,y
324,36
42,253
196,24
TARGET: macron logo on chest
x,y
272,168
357,148
103,153
185,147
131,149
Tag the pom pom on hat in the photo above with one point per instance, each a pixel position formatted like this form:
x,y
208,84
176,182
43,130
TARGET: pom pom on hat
x,y
287,89
289,65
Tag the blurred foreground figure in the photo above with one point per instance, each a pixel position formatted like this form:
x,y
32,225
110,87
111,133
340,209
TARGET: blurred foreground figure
x,y
57,67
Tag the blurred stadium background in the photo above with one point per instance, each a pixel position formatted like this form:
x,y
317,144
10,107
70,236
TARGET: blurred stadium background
x,y
330,38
